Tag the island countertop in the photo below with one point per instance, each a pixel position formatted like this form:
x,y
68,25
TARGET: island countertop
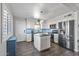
x,y
41,41
42,34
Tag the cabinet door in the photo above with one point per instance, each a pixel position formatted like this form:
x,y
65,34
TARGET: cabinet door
x,y
48,41
29,38
56,38
37,42
43,42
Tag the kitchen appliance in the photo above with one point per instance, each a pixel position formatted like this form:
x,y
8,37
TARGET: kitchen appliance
x,y
68,36
54,36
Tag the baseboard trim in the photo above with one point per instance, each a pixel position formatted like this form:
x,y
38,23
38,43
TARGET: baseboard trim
x,y
45,49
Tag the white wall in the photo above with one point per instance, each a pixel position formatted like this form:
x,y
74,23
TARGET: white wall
x,y
0,22
20,25
45,24
30,23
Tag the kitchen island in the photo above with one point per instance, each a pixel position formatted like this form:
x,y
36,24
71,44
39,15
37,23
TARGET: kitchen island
x,y
42,41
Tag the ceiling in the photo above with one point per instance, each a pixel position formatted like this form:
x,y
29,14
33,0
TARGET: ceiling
x,y
49,10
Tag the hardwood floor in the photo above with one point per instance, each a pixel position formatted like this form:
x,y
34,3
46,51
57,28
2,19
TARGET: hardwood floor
x,y
27,49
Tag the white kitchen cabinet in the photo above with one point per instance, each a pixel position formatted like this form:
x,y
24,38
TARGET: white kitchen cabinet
x,y
29,38
56,38
41,42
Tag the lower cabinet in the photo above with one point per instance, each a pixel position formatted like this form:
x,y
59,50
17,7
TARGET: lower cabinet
x,y
45,42
11,46
55,38
41,42
29,37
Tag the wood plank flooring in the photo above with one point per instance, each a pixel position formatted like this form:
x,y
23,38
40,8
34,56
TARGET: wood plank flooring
x,y
27,49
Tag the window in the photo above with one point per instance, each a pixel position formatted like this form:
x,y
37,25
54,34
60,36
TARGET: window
x,y
4,23
7,23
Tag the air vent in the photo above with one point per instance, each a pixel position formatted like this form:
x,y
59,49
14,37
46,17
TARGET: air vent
x,y
68,15
44,11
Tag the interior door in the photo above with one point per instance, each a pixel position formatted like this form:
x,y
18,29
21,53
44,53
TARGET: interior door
x,y
71,34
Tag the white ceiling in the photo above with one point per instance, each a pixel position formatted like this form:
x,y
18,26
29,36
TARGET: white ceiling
x,y
50,10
